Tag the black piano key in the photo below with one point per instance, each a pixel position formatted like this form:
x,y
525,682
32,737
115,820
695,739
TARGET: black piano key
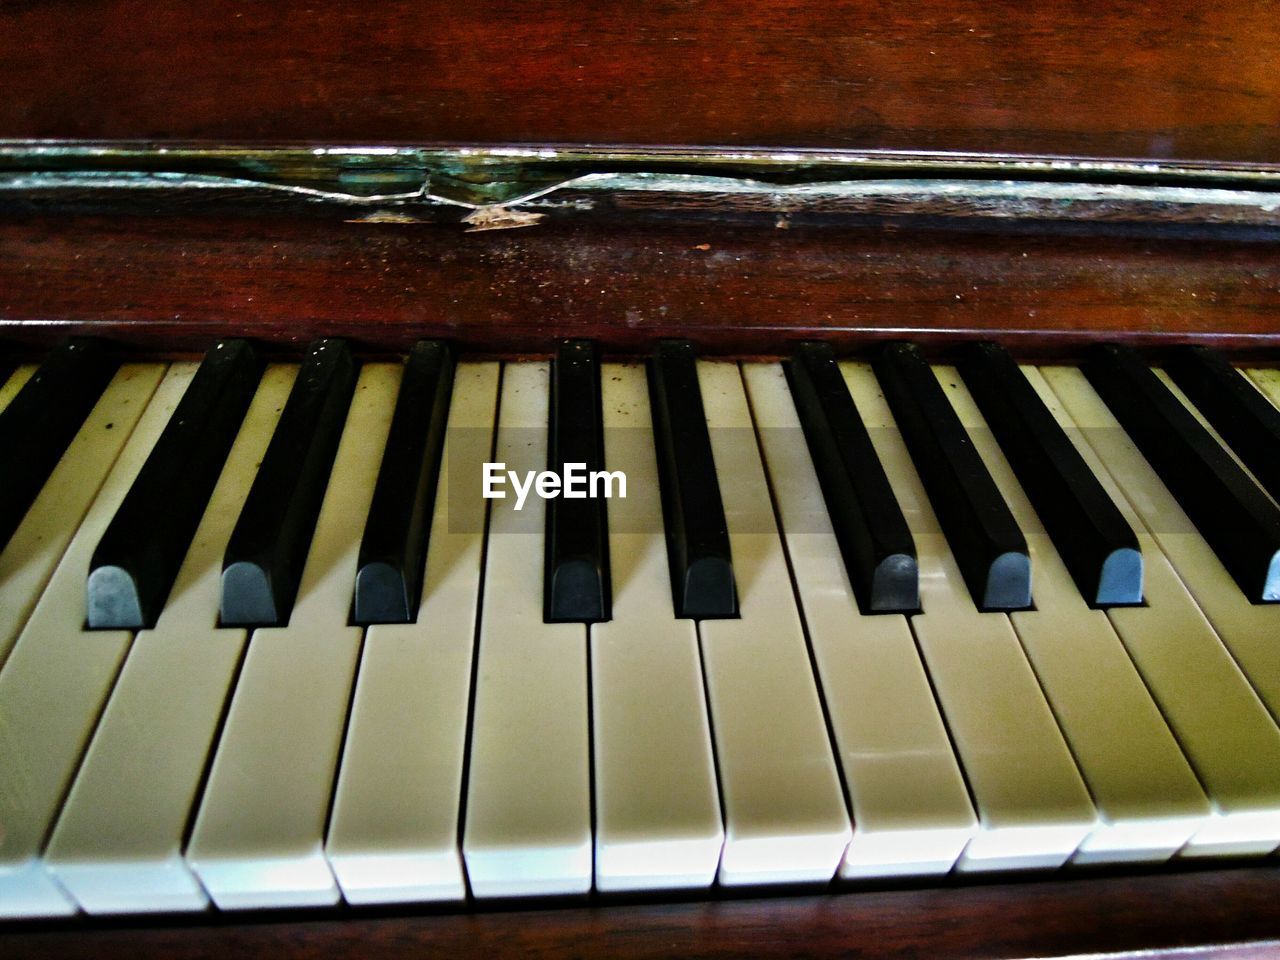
x,y
138,557
983,535
875,541
701,565
390,569
268,547
41,421
576,582
1096,543
1243,417
1231,512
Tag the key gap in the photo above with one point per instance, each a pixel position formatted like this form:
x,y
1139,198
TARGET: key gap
x,y
464,784
342,750
214,742
804,623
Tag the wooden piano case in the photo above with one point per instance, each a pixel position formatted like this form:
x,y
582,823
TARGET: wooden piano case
x,y
743,174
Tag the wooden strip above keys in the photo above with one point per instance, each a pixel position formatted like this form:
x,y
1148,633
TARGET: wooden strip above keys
x,y
1034,807
528,801
117,846
259,834
1148,798
1223,728
393,833
784,811
657,823
56,679
33,552
911,810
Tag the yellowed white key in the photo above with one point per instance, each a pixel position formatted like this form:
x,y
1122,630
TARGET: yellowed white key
x,y
1248,629
784,811
56,679
911,809
1034,808
259,835
1147,796
657,810
117,846
393,835
528,801
15,382
1223,728
29,559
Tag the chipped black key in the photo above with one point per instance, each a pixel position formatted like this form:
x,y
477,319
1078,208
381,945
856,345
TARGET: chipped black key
x,y
983,535
1235,517
701,566
137,559
390,569
576,586
876,544
268,548
41,421
1241,414
1096,543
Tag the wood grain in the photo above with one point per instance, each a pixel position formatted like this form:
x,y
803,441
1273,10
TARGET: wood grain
x,y
175,283
1233,910
1174,79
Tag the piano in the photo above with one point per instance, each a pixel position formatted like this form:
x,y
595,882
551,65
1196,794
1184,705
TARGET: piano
x,y
917,590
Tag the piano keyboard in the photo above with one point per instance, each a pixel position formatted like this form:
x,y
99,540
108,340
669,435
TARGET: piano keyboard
x,y
265,643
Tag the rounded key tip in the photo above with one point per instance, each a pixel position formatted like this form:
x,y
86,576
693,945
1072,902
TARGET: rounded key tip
x,y
113,602
1120,582
1008,583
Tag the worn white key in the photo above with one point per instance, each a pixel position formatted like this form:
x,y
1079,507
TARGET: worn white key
x,y
528,803
393,835
1223,728
784,811
29,559
15,382
1147,796
911,809
657,810
259,835
1034,808
117,847
57,677
1248,629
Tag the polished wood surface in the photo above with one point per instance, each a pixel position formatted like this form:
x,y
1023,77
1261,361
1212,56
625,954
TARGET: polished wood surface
x,y
1151,79
175,283
1234,910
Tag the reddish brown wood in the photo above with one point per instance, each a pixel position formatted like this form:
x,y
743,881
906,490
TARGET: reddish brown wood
x,y
1149,79
1233,910
176,283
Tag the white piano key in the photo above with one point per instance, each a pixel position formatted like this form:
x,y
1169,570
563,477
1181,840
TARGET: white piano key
x,y
1223,728
10,386
259,834
1034,808
393,835
55,681
1248,629
911,810
117,846
784,810
29,559
1147,796
528,804
657,810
